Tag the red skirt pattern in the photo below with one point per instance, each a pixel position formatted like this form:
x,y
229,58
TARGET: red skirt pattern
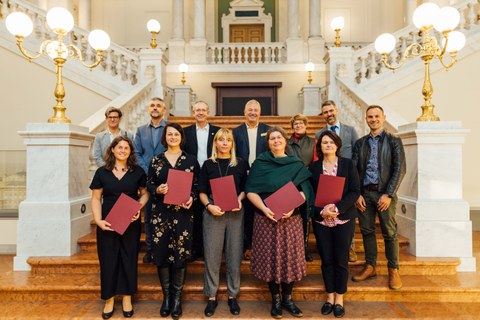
x,y
278,251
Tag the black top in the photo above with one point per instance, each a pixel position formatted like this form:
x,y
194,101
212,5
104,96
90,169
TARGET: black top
x,y
221,168
113,188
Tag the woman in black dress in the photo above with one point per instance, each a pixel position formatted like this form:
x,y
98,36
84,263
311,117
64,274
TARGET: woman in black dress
x,y
222,227
171,224
334,224
118,254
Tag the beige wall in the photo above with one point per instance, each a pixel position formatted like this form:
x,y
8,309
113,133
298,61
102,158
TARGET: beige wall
x,y
456,99
26,95
8,235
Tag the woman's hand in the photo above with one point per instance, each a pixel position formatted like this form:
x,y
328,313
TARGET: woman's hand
x,y
329,213
136,216
162,189
188,204
269,214
215,210
288,214
104,225
239,206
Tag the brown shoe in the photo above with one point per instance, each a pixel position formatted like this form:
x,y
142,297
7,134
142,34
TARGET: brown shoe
x,y
368,272
247,255
352,255
394,281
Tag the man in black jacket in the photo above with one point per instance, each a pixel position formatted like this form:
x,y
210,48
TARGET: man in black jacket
x,y
380,161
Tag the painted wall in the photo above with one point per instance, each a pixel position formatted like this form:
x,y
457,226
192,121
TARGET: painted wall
x,y
8,235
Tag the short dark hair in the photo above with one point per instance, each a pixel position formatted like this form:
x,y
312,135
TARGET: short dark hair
x,y
276,129
374,106
113,109
109,157
329,103
177,127
336,139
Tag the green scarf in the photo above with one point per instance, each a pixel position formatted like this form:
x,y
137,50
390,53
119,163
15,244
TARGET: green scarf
x,y
268,174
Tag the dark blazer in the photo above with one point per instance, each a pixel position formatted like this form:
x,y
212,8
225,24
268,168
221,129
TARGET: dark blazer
x,y
144,148
348,135
351,189
191,144
242,147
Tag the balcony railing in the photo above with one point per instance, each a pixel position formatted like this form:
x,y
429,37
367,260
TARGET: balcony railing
x,y
12,181
247,53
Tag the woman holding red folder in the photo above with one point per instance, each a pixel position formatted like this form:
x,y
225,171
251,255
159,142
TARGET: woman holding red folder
x,y
222,226
118,254
278,247
171,224
334,224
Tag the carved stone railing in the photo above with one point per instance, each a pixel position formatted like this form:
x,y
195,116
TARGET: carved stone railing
x,y
246,53
368,63
120,65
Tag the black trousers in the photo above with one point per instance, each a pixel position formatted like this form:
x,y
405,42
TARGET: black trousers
x,y
197,244
249,213
333,244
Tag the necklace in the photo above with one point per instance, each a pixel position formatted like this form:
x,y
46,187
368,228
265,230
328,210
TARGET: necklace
x,y
173,154
220,170
121,169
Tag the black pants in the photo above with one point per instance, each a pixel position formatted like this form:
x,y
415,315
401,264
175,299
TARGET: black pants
x,y
249,213
333,244
197,244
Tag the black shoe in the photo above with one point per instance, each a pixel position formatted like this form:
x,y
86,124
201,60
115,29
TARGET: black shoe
x,y
128,314
276,311
164,276
289,305
338,311
210,308
107,315
147,258
308,258
327,308
234,307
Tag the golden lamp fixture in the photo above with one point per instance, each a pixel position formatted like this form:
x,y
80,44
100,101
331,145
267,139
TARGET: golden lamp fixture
x,y
427,17
61,22
337,25
309,67
153,26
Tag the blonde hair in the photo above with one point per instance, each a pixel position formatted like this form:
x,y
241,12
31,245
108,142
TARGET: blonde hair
x,y
300,117
227,133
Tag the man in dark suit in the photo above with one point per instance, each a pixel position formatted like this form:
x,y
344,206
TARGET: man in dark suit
x,y
147,145
348,135
199,140
250,141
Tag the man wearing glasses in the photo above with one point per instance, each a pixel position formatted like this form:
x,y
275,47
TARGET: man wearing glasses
x,y
113,117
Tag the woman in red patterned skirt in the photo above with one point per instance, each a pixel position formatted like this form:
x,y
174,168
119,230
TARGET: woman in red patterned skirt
x,y
278,249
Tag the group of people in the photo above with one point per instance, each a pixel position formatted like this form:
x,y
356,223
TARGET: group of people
x,y
261,159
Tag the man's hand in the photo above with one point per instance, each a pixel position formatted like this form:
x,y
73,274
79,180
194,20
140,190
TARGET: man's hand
x,y
384,202
361,204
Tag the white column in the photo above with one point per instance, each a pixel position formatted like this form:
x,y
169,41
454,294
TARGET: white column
x,y
315,29
182,100
84,7
410,6
311,100
431,211
293,19
199,20
56,211
177,32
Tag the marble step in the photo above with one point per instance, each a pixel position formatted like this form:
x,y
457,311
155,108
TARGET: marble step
x,y
464,287
87,263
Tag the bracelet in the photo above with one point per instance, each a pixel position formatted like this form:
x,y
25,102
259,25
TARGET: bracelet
x,y
206,206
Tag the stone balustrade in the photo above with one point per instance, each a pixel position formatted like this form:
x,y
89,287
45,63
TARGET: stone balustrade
x,y
247,53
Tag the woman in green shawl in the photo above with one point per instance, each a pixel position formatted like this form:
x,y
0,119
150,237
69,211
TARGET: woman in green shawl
x,y
278,248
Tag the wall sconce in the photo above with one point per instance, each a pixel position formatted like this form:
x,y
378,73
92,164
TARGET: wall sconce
x,y
183,68
61,22
337,24
426,17
153,26
309,67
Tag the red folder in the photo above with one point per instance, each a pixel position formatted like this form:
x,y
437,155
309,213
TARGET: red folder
x,y
122,213
284,200
330,190
224,193
179,187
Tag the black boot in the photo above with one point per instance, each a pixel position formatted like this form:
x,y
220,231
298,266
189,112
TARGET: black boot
x,y
276,310
177,281
290,306
164,276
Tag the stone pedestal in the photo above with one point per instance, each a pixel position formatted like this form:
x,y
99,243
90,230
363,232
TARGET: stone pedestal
x,y
294,50
182,101
56,210
339,63
431,211
197,51
311,100
316,49
153,66
176,52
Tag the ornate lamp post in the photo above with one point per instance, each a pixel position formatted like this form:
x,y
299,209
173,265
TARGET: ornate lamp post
x,y
153,26
427,17
61,22
337,25
309,67
183,68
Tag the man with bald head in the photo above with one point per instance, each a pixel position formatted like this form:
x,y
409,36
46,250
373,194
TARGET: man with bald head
x,y
250,142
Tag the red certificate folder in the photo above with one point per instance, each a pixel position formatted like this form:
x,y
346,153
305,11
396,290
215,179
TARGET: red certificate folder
x,y
284,200
330,190
179,187
122,213
224,193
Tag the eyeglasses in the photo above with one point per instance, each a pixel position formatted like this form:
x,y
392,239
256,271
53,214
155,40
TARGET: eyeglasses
x,y
113,118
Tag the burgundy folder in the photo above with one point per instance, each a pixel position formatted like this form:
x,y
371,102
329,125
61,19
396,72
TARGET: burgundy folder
x,y
179,187
330,190
122,213
284,200
224,193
